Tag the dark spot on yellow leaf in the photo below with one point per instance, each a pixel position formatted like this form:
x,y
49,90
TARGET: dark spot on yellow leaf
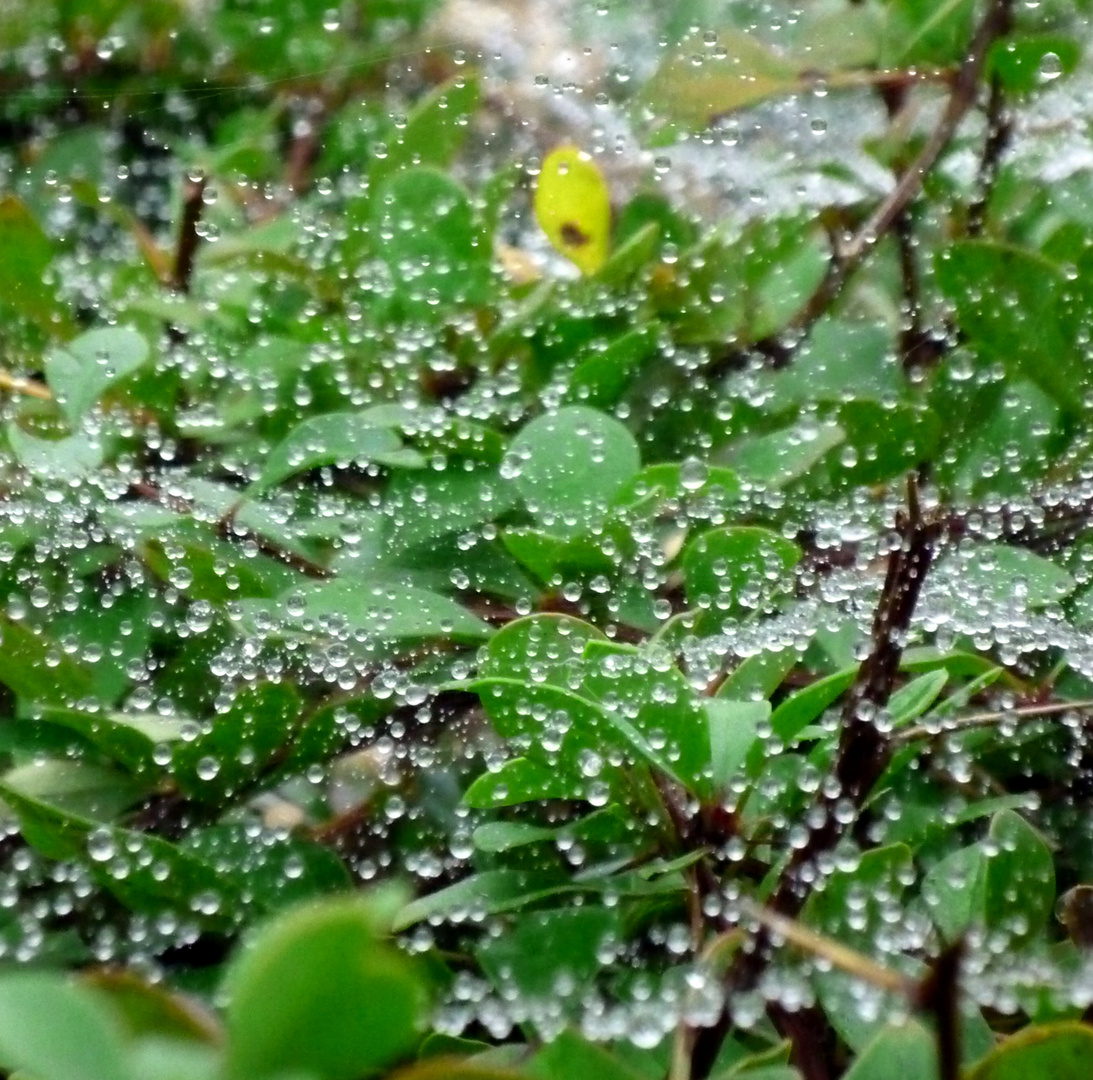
x,y
572,234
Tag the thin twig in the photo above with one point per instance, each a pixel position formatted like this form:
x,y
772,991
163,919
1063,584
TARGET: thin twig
x,y
15,384
845,261
987,719
834,952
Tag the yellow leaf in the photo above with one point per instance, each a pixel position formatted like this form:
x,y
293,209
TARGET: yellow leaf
x,y
573,207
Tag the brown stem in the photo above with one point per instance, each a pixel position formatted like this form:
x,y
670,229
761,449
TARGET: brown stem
x,y
193,192
939,994
863,753
999,134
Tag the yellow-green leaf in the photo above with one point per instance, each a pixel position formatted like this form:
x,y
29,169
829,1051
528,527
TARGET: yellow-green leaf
x,y
573,207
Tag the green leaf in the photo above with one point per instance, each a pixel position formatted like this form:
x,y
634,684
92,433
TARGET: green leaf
x,y
999,574
642,689
521,780
80,372
35,667
51,1029
426,236
1019,889
542,950
130,740
565,732
25,285
570,1056
77,787
1009,301
904,1051
602,378
434,132
1025,62
342,438
911,701
145,872
744,72
377,611
733,572
277,871
542,648
759,675
1062,1051
319,993
733,732
954,890
239,743
806,706
69,460
570,465
773,461
428,505
854,903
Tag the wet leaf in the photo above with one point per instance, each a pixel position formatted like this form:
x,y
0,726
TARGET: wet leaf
x,y
573,207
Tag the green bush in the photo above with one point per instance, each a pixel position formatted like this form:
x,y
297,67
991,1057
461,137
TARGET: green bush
x,y
473,609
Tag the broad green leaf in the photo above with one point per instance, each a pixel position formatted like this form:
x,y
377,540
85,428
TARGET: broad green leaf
x,y
1009,302
733,732
521,780
69,460
424,506
341,438
759,675
544,648
129,739
277,871
144,871
374,611
601,378
573,207
1019,887
954,890
318,993
544,949
425,234
854,903
570,1055
999,574
239,743
566,732
25,287
571,464
1025,62
1062,1051
82,370
51,1029
773,461
84,788
735,571
644,690
34,666
904,1051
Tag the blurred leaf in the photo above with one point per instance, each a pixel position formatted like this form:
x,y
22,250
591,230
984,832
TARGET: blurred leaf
x,y
904,1051
25,286
1025,62
318,993
333,438
573,207
85,367
1063,1051
53,1030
